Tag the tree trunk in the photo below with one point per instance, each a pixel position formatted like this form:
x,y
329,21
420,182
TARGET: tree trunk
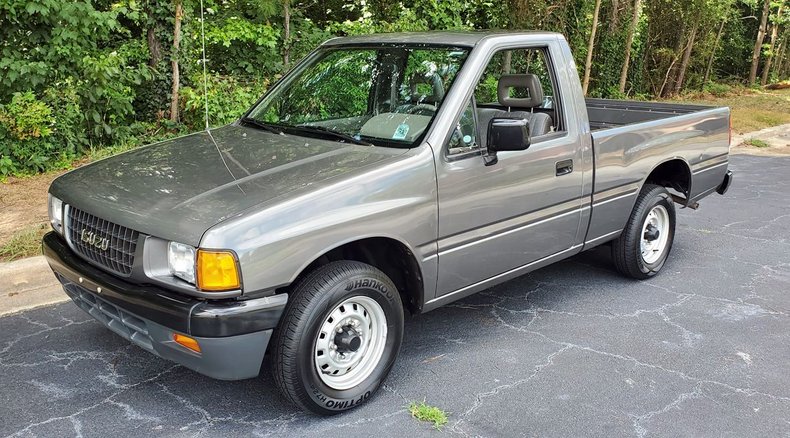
x,y
780,58
174,57
758,43
784,71
286,33
590,47
774,34
629,42
615,12
507,61
154,47
686,57
674,66
783,61
666,77
713,53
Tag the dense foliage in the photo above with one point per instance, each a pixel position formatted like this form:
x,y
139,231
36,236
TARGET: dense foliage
x,y
76,76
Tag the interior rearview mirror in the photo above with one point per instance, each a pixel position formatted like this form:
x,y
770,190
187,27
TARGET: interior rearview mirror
x,y
506,135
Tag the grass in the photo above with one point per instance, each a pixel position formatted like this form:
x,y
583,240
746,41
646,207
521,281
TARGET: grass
x,y
431,414
24,243
756,142
752,109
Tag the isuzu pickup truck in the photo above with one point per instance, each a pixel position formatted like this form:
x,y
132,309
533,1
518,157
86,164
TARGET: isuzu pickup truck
x,y
384,175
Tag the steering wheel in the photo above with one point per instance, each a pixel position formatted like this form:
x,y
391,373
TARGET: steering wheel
x,y
422,109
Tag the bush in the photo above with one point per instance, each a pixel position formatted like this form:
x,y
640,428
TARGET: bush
x,y
26,126
69,131
25,117
717,89
108,91
228,98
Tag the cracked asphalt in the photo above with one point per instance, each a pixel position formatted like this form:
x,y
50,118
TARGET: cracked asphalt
x,y
573,349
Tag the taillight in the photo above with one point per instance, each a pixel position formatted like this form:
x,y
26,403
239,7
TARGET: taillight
x,y
729,143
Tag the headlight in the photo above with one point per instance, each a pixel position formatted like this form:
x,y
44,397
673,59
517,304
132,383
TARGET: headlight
x,y
55,213
209,270
181,260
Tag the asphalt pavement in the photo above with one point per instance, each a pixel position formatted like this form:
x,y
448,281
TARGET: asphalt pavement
x,y
570,350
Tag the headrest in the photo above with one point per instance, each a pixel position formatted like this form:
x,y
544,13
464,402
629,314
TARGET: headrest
x,y
437,88
528,81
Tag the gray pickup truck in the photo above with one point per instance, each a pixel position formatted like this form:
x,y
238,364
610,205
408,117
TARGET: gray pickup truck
x,y
384,175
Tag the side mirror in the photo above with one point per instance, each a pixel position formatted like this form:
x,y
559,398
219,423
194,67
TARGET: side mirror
x,y
505,135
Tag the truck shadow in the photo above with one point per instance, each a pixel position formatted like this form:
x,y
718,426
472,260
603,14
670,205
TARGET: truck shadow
x,y
469,324
106,373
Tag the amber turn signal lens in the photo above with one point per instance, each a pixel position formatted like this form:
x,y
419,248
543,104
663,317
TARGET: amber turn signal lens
x,y
217,271
186,341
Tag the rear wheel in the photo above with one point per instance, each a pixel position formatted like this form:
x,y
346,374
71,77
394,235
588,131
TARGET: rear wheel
x,y
338,338
643,247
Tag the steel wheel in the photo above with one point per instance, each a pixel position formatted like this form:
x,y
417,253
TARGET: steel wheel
x,y
350,342
655,234
644,245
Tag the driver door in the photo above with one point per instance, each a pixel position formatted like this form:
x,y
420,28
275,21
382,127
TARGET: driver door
x,y
494,220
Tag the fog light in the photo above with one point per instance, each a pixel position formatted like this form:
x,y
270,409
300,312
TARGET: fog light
x,y
187,342
217,271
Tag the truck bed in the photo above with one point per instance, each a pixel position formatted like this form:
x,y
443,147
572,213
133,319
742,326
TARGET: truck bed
x,y
630,139
608,113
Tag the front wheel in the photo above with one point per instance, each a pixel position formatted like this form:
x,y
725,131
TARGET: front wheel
x,y
643,247
339,337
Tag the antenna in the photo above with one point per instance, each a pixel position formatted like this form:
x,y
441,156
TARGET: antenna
x,y
205,94
205,78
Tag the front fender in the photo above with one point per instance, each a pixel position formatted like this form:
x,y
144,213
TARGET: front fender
x,y
396,200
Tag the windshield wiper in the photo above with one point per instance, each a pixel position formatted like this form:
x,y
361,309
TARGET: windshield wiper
x,y
337,134
261,125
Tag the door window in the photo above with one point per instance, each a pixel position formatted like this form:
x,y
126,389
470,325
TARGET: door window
x,y
464,137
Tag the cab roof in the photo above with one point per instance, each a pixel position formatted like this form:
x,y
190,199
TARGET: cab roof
x,y
448,38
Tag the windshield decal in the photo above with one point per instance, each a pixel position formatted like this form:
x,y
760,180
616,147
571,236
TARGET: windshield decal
x,y
400,132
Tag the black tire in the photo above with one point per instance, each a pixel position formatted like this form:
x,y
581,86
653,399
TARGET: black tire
x,y
311,302
626,249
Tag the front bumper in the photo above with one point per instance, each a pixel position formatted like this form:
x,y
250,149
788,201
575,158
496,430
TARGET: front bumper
x,y
232,334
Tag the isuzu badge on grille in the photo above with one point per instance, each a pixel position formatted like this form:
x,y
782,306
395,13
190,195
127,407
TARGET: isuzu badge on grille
x,y
94,240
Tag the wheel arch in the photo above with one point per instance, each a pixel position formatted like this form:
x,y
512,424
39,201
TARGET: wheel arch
x,y
673,173
388,254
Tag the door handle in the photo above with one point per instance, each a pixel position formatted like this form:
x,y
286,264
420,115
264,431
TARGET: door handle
x,y
564,167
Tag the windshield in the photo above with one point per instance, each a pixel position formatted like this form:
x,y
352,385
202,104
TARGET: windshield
x,y
383,95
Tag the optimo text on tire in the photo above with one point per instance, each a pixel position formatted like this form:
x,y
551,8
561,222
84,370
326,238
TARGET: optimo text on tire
x,y
338,338
643,247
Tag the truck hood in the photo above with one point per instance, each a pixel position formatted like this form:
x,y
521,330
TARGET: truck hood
x,y
179,188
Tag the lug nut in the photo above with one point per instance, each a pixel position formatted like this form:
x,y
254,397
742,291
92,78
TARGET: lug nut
x,y
332,347
339,329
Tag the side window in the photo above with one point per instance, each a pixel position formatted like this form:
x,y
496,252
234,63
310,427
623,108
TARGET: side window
x,y
521,84
464,137
517,83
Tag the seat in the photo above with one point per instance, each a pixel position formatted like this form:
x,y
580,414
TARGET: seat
x,y
437,89
539,123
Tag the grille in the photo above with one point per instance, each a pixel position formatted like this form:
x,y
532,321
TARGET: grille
x,y
121,322
116,253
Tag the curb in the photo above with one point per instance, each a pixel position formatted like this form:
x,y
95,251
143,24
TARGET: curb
x,y
27,284
778,137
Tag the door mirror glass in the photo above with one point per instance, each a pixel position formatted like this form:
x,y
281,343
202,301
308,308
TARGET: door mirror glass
x,y
508,135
